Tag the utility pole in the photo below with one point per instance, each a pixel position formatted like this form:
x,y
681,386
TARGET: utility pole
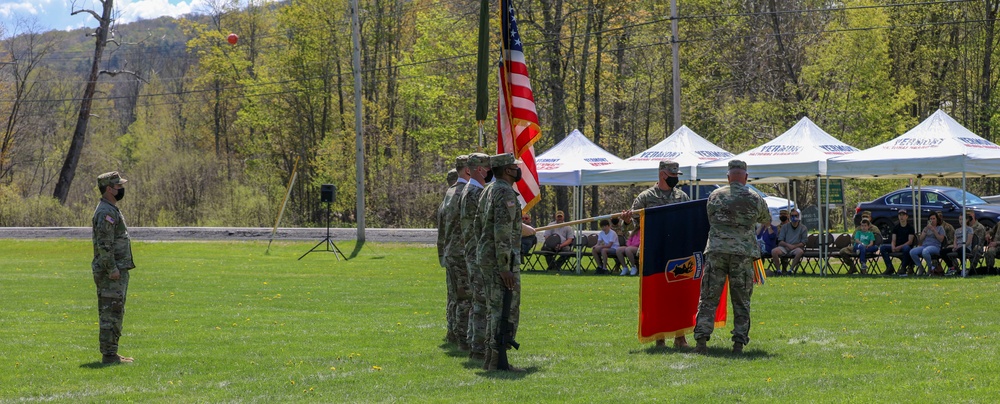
x,y
359,142
676,71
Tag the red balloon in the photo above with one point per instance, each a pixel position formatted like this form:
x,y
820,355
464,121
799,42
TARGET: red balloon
x,y
233,38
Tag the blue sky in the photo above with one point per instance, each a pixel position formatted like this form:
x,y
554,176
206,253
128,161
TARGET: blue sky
x,y
55,14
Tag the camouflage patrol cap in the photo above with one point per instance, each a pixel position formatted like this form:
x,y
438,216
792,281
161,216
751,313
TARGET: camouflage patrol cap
x,y
867,214
500,160
452,176
479,160
783,212
111,178
670,166
737,165
461,161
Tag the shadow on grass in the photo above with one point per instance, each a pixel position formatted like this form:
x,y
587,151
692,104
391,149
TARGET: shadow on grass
x,y
749,354
452,350
96,365
504,375
357,249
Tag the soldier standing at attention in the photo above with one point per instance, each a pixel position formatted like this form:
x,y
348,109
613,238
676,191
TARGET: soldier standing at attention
x,y
112,262
499,251
479,168
665,192
733,212
442,245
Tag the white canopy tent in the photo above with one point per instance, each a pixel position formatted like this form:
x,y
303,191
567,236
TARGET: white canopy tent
x,y
573,161
684,146
800,152
939,146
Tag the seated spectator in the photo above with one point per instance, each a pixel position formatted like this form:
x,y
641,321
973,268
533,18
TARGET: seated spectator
x,y
607,240
902,240
864,244
791,241
767,239
617,226
930,239
992,243
973,232
528,238
631,251
565,242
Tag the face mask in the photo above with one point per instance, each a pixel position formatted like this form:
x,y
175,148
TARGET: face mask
x,y
120,194
518,176
783,218
489,176
672,181
795,219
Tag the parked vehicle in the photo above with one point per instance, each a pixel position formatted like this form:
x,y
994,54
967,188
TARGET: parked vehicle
x,y
774,204
946,199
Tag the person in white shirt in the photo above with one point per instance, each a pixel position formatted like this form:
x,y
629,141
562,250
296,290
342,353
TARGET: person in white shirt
x,y
607,241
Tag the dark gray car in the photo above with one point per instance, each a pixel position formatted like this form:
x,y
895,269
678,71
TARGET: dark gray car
x,y
946,199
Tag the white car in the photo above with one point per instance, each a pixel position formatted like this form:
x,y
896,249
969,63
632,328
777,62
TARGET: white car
x,y
774,203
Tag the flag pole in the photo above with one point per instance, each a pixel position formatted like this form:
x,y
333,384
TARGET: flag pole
x,y
586,220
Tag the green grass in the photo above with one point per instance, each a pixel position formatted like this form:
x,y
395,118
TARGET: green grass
x,y
213,322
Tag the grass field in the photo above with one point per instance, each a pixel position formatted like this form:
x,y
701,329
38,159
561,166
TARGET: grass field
x,y
222,322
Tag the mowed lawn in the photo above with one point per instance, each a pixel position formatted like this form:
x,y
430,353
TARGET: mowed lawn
x,y
223,322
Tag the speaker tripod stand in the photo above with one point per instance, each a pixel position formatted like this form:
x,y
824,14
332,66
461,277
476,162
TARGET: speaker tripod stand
x,y
327,242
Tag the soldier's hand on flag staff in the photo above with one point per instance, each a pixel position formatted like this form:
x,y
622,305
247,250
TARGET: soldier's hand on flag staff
x,y
626,216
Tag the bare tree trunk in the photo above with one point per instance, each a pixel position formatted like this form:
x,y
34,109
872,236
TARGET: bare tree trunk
x,y
986,76
552,21
25,50
595,200
782,52
68,170
581,89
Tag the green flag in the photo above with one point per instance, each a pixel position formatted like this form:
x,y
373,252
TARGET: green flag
x,y
483,64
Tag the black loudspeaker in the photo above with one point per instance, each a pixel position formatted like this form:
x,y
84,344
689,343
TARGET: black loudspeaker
x,y
327,192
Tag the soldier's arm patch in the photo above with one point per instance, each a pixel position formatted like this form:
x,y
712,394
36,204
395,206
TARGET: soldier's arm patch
x,y
109,219
511,203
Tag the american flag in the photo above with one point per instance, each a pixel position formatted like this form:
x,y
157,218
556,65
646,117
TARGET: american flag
x,y
517,122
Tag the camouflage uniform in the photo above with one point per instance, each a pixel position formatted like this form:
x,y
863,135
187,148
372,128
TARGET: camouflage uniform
x,y
733,211
471,228
452,177
498,249
445,237
112,250
654,196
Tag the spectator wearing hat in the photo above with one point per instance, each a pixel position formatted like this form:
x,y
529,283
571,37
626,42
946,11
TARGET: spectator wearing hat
x,y
782,218
850,251
791,241
901,240
992,245
565,233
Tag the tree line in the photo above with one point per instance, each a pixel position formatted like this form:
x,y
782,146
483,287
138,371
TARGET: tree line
x,y
209,132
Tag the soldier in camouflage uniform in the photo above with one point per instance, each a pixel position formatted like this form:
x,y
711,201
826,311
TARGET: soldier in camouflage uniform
x,y
443,239
479,167
733,212
452,177
454,258
111,265
499,250
665,192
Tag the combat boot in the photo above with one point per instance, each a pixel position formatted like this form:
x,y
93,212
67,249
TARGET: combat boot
x,y
738,348
701,347
681,343
464,346
115,358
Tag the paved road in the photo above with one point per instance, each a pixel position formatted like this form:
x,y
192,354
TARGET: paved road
x,y
228,233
